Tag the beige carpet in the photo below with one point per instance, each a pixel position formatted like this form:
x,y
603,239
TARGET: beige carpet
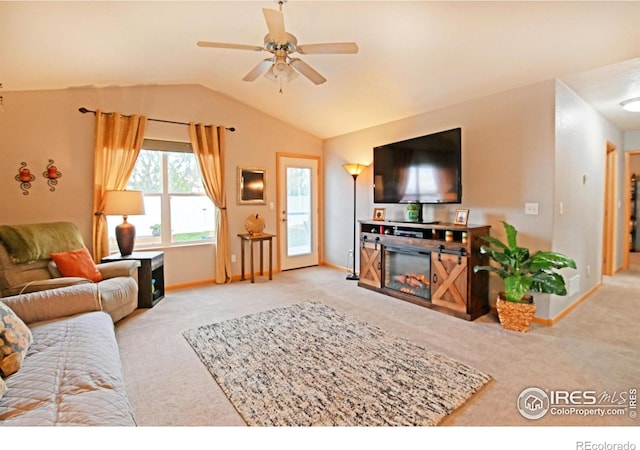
x,y
593,348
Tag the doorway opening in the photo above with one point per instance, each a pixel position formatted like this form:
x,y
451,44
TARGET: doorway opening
x,y
632,209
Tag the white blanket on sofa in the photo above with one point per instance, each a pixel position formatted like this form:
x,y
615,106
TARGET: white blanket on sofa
x,y
72,375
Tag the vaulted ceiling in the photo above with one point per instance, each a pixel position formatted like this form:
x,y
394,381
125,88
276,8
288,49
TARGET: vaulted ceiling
x,y
414,56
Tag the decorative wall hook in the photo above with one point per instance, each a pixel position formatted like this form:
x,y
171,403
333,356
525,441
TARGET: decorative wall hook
x,y
24,177
52,174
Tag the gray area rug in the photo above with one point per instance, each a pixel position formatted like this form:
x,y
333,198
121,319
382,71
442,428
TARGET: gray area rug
x,y
308,364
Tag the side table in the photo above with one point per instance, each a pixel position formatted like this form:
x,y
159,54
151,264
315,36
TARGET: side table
x,y
251,238
150,276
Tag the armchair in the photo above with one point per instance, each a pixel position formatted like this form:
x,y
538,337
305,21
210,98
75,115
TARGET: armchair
x,y
26,266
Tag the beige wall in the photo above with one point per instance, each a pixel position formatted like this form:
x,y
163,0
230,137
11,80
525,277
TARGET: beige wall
x,y
41,125
581,138
531,144
507,160
540,143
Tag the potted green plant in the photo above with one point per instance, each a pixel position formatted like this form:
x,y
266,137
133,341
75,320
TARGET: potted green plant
x,y
522,273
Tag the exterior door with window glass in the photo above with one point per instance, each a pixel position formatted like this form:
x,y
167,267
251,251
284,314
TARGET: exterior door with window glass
x,y
298,211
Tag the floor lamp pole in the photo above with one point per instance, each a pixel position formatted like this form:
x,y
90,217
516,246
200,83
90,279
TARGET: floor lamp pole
x,y
353,275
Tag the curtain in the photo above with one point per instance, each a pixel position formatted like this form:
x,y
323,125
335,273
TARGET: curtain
x,y
209,147
117,145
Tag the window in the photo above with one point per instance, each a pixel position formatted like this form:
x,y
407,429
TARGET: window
x,y
177,208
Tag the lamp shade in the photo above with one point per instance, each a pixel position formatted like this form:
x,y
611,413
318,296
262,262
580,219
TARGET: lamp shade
x,y
123,203
354,169
281,71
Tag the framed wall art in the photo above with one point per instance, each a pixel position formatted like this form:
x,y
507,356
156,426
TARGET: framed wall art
x,y
252,186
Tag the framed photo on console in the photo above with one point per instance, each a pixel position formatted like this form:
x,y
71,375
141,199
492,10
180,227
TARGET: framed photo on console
x,y
378,214
461,217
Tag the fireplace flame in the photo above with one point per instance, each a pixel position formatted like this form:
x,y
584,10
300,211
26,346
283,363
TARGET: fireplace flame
x,y
412,283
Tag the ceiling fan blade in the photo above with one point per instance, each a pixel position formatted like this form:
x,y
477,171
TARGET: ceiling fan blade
x,y
231,46
275,24
308,71
258,70
337,47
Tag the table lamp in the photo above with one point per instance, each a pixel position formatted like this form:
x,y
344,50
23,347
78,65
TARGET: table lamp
x,y
124,203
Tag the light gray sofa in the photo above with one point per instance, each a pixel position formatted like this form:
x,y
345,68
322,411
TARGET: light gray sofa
x,y
26,266
72,373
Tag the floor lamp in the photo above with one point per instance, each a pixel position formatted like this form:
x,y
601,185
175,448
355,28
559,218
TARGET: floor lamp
x,y
354,170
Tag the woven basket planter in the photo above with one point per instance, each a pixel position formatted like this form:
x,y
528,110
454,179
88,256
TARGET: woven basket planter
x,y
515,316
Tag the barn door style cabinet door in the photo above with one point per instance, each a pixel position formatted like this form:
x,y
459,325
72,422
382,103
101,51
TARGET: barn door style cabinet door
x,y
449,281
371,263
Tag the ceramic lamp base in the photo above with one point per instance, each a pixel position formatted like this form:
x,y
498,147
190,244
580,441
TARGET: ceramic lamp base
x,y
125,236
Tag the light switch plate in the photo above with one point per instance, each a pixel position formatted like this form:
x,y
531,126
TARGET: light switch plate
x,y
531,209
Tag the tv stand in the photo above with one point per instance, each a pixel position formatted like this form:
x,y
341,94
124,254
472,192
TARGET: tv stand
x,y
428,264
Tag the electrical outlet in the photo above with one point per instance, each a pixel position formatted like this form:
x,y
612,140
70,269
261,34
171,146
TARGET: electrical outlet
x,y
233,258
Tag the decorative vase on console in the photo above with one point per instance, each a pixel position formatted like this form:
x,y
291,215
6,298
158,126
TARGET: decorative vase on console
x,y
255,224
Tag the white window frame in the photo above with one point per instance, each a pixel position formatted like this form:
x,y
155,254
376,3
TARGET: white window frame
x,y
165,147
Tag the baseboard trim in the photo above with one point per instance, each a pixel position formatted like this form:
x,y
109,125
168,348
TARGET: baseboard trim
x,y
247,277
333,266
562,314
190,285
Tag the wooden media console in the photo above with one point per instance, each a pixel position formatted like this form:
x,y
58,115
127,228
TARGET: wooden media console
x,y
427,264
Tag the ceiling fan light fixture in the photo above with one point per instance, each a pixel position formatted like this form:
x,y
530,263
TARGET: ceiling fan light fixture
x,y
632,104
281,71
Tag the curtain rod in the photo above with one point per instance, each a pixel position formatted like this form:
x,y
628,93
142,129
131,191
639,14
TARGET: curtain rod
x,y
84,110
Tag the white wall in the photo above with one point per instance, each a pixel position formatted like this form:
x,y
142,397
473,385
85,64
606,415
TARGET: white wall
x,y
40,125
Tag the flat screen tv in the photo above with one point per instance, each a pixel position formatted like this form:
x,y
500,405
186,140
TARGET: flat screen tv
x,y
425,170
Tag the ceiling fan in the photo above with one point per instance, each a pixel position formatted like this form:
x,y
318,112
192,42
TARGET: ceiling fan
x,y
282,66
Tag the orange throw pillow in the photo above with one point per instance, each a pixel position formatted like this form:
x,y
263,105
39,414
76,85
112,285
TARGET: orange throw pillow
x,y
77,263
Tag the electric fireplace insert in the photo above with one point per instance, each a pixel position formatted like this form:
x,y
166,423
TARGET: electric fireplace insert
x,y
408,270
